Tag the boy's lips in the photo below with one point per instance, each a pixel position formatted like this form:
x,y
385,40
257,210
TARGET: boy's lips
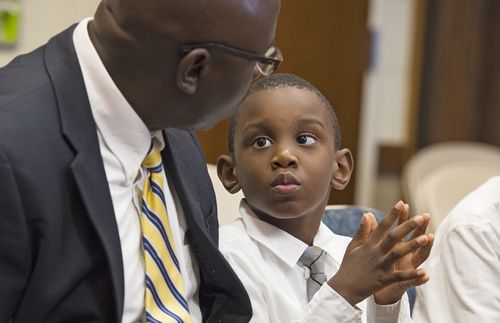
x,y
285,183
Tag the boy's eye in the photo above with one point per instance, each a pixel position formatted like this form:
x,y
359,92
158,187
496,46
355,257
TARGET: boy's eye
x,y
306,140
262,142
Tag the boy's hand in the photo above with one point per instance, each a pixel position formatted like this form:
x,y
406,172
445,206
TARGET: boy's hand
x,y
379,259
410,261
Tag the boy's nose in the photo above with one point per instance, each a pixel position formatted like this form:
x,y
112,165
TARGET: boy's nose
x,y
284,158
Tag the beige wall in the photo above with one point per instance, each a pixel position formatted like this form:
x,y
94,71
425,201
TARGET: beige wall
x,y
384,117
41,19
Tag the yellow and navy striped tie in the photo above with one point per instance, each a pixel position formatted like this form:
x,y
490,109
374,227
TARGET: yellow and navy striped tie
x,y
165,299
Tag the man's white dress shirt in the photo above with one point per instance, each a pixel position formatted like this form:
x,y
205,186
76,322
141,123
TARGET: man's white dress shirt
x,y
124,141
464,264
266,260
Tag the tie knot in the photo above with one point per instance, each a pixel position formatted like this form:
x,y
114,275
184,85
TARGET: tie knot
x,y
153,159
313,257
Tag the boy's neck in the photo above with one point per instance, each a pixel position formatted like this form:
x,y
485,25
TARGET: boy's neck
x,y
303,228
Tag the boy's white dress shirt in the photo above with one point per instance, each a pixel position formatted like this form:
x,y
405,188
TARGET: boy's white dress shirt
x,y
265,258
464,263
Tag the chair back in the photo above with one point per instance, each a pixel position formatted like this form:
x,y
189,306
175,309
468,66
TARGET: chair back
x,y
345,219
439,176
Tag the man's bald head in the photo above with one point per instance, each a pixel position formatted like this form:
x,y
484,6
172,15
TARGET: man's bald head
x,y
141,45
189,21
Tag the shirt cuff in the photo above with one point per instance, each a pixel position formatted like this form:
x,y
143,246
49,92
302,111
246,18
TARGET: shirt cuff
x,y
388,313
328,306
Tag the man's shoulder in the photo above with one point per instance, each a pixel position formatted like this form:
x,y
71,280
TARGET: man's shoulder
x,y
24,75
27,77
27,100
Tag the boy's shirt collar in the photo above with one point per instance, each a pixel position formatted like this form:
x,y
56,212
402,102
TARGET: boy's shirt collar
x,y
284,245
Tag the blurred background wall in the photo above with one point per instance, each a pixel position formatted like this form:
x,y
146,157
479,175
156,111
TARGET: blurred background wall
x,y
401,74
41,19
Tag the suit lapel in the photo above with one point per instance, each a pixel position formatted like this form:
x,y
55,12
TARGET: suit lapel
x,y
88,169
179,170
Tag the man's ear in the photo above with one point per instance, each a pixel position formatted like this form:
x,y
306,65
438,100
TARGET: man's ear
x,y
345,164
228,174
190,68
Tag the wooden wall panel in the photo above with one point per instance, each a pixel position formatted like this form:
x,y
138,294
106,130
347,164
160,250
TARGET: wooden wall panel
x,y
460,97
491,74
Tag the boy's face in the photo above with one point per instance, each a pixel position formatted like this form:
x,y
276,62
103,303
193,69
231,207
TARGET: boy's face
x,y
285,159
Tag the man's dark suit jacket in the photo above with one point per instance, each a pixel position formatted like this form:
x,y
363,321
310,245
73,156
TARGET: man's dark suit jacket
x,y
60,256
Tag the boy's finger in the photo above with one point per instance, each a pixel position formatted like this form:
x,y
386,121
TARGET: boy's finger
x,y
387,222
421,279
404,276
423,253
372,222
400,232
361,234
423,227
403,216
402,250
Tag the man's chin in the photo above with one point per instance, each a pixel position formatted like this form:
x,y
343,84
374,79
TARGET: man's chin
x,y
200,125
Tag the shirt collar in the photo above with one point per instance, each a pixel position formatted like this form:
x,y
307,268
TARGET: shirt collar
x,y
281,243
122,130
284,245
333,244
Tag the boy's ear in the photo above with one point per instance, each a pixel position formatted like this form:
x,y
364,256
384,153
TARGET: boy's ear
x,y
345,164
190,68
228,174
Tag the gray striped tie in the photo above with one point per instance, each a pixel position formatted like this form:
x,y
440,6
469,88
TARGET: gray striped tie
x,y
314,259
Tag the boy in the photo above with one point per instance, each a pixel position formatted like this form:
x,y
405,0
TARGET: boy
x,y
285,156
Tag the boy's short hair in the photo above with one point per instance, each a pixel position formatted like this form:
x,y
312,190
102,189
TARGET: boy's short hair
x,y
281,80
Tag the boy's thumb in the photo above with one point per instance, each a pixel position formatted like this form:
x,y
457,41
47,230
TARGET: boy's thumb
x,y
362,233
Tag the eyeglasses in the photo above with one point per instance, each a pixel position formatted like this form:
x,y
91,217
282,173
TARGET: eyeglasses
x,y
265,64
